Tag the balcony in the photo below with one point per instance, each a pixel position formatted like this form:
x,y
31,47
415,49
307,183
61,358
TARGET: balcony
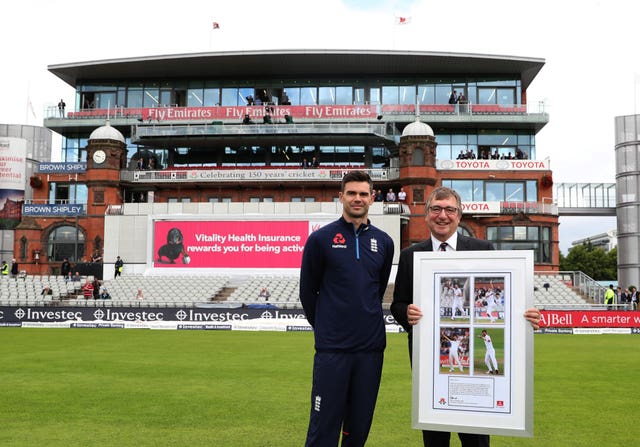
x,y
373,134
251,174
504,115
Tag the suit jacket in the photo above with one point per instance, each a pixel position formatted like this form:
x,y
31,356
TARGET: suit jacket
x,y
403,290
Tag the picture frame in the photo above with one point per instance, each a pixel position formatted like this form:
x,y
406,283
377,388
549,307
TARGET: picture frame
x,y
463,381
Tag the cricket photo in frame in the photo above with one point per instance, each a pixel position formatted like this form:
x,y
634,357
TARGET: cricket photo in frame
x,y
473,349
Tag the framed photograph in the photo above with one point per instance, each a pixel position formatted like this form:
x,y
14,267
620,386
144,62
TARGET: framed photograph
x,y
473,349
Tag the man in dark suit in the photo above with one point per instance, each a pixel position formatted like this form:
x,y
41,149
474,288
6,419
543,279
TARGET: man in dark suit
x,y
443,214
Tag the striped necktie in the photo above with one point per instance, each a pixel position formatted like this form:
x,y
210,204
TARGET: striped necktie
x,y
443,246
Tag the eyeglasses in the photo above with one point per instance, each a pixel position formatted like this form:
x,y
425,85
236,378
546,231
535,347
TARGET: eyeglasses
x,y
449,210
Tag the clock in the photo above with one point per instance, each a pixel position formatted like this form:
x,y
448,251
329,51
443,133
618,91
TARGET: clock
x,y
99,157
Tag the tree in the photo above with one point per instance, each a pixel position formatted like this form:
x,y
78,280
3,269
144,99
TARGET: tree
x,y
594,262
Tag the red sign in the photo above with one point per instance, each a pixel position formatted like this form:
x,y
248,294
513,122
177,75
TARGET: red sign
x,y
226,113
229,244
586,318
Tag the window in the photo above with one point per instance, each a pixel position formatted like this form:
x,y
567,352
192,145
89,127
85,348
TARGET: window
x,y
390,94
65,242
426,94
195,94
134,95
326,95
417,157
24,245
533,238
68,193
98,196
344,95
151,95
494,191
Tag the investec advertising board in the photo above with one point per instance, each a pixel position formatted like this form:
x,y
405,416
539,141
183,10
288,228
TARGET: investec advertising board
x,y
231,243
241,318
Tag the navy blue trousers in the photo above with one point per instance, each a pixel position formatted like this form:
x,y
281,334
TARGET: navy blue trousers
x,y
343,397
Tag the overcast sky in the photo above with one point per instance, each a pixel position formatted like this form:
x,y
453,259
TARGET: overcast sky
x,y
589,48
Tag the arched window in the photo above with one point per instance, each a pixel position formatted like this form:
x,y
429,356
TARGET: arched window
x,y
66,242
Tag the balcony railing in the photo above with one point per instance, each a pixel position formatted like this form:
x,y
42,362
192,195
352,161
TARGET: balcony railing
x,y
191,175
149,131
226,114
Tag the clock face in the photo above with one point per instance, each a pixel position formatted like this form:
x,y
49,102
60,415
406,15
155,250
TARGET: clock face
x,y
99,157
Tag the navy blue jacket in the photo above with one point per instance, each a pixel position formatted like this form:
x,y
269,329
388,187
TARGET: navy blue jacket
x,y
343,277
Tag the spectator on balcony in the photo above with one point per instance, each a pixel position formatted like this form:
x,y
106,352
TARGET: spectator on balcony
x,y
266,119
284,99
453,98
315,163
402,195
250,100
379,197
247,119
305,164
61,106
288,119
463,103
391,196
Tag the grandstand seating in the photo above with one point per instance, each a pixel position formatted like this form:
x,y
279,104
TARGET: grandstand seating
x,y
558,294
194,290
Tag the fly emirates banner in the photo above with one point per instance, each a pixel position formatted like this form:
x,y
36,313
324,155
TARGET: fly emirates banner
x,y
230,244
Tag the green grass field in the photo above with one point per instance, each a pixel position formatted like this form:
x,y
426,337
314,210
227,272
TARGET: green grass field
x,y
89,387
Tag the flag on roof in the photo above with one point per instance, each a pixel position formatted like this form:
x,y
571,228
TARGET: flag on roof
x,y
216,25
403,20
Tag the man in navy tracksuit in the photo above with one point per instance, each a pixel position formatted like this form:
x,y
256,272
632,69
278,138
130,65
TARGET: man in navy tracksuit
x,y
345,270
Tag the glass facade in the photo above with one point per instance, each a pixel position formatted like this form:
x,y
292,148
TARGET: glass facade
x,y
198,93
494,190
486,144
533,238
